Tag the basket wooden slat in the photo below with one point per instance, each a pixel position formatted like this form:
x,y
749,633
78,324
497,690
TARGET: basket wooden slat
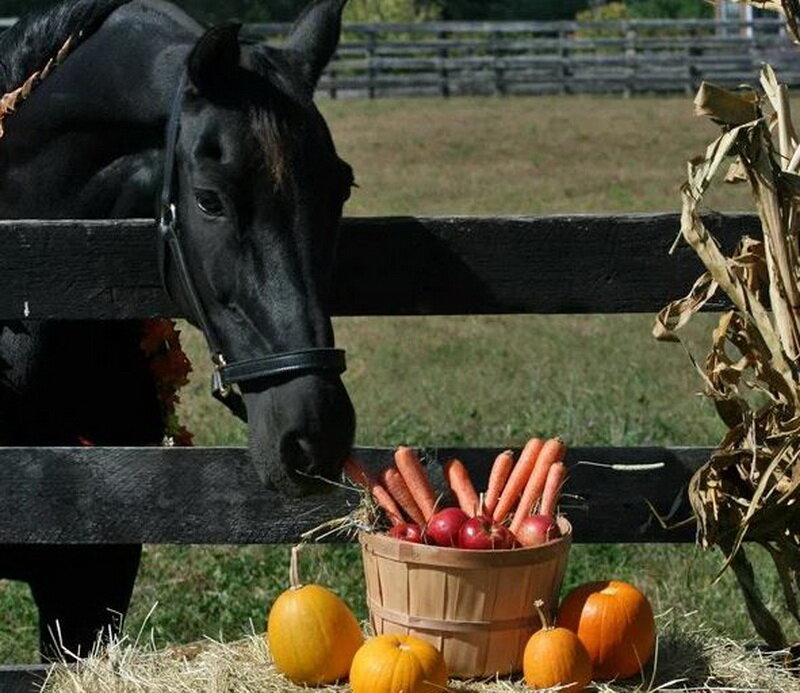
x,y
476,607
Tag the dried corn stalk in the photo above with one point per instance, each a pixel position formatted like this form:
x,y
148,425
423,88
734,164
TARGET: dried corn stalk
x,y
751,486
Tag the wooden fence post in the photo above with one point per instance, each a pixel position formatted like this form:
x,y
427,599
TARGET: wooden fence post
x,y
372,69
444,56
564,71
333,76
693,73
630,58
499,67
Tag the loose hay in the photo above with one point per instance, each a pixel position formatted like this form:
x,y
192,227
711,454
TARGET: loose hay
x,y
690,658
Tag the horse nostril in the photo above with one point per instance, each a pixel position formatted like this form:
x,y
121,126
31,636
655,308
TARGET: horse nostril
x,y
309,462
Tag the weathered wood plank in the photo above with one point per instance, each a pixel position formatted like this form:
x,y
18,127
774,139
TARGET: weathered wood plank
x,y
22,679
570,264
212,495
387,266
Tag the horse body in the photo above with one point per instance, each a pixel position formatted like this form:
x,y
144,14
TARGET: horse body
x,y
91,135
260,234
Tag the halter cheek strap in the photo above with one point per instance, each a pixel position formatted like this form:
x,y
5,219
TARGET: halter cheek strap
x,y
281,366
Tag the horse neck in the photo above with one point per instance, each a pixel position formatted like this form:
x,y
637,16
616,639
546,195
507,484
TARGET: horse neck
x,y
92,133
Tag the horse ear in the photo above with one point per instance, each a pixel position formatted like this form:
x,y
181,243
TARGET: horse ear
x,y
215,57
314,37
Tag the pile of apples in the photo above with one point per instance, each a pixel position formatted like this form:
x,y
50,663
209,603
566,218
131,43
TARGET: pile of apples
x,y
452,527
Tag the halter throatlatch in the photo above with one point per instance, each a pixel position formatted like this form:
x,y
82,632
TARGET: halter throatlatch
x,y
226,374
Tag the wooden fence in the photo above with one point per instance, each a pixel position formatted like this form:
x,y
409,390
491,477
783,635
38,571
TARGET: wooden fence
x,y
624,57
630,57
387,266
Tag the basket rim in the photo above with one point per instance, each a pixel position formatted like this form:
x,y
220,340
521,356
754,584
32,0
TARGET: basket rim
x,y
397,549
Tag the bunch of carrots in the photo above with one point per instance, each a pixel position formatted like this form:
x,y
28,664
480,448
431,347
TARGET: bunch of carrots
x,y
518,507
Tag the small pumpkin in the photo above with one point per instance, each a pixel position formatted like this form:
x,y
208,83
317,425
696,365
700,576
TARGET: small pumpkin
x,y
556,658
614,620
398,664
312,634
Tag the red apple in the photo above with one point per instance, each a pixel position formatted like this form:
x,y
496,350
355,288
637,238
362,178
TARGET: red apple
x,y
444,526
537,529
407,532
483,534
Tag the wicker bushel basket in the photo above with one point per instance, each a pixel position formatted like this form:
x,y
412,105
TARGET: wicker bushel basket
x,y
477,607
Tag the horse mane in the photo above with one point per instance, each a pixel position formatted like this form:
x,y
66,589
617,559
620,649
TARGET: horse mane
x,y
35,39
41,40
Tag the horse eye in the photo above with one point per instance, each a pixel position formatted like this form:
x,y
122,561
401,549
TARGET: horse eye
x,y
209,203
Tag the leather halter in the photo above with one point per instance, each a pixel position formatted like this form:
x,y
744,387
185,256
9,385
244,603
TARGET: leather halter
x,y
284,365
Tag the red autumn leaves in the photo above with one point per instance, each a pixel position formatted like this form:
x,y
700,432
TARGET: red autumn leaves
x,y
170,367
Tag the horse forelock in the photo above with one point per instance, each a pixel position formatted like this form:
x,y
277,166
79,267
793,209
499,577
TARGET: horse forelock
x,y
276,115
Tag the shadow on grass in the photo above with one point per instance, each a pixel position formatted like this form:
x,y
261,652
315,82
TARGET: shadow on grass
x,y
682,661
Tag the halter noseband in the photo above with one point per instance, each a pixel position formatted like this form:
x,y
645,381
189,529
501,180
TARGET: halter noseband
x,y
287,364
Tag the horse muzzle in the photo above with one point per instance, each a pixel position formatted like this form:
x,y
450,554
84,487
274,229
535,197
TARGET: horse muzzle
x,y
301,431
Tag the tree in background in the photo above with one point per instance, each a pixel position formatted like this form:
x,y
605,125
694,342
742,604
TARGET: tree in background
x,y
392,10
671,9
14,8
512,9
608,12
647,9
605,13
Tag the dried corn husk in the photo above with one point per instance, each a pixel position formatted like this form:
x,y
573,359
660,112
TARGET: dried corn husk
x,y
751,486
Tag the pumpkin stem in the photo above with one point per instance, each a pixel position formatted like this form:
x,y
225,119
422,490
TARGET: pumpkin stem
x,y
546,625
294,568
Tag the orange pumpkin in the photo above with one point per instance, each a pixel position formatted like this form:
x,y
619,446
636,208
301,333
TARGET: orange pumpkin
x,y
615,622
398,664
556,658
312,634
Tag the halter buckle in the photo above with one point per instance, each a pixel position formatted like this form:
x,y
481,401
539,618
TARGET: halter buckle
x,y
169,215
217,384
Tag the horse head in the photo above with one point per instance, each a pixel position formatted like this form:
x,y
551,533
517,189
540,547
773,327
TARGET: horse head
x,y
259,191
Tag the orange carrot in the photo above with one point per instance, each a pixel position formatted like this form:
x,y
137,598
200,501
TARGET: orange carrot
x,y
517,480
552,451
503,464
416,479
552,489
458,480
358,474
393,481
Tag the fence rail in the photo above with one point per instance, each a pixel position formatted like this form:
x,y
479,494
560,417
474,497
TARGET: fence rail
x,y
213,496
97,270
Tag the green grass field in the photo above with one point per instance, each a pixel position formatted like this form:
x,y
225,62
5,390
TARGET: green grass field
x,y
598,379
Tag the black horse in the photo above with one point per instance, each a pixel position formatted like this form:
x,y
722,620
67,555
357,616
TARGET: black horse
x,y
259,190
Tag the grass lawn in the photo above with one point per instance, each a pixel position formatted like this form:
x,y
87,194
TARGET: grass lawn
x,y
598,379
